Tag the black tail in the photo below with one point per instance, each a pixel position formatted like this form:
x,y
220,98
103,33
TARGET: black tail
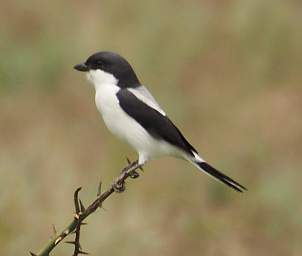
x,y
220,176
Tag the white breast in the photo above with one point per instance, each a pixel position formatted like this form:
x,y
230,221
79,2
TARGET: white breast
x,y
121,124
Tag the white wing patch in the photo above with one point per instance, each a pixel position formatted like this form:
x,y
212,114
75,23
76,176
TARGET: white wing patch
x,y
145,96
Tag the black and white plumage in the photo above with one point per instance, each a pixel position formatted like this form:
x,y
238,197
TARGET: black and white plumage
x,y
131,113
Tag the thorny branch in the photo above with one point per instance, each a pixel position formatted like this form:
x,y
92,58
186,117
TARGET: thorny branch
x,y
81,213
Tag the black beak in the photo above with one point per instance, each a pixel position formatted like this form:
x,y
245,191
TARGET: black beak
x,y
81,67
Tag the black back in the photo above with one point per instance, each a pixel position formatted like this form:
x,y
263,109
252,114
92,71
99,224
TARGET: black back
x,y
116,65
159,126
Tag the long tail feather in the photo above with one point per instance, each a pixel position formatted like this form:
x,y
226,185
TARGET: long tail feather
x,y
203,166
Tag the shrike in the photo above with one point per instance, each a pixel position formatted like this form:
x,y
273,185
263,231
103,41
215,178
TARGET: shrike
x,y
131,113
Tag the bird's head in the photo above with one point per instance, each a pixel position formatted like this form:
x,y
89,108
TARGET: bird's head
x,y
109,67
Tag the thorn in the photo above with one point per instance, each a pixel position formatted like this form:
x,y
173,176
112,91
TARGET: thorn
x,y
83,223
84,253
70,242
54,231
99,189
82,206
128,160
78,189
141,168
32,254
76,199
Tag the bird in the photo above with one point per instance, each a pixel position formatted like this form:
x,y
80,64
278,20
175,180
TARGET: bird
x,y
132,114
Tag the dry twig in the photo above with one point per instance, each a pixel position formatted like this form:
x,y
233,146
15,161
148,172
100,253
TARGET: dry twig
x,y
81,213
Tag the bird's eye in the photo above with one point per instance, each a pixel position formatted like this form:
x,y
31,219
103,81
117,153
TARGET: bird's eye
x,y
100,64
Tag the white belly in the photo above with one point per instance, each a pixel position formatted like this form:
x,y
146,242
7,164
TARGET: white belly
x,y
125,127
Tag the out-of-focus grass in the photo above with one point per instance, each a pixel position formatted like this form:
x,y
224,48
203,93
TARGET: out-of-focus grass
x,y
227,72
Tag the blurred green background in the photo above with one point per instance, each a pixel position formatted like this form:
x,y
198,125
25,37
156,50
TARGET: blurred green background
x,y
227,72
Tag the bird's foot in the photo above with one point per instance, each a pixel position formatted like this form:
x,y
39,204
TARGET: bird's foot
x,y
133,174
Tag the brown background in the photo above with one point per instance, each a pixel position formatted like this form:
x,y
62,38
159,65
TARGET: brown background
x,y
227,72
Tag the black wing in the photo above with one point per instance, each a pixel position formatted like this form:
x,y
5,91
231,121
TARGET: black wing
x,y
159,126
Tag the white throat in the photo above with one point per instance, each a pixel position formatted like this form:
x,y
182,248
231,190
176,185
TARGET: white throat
x,y
99,78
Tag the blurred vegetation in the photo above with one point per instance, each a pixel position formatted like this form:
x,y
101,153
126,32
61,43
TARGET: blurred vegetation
x,y
227,72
